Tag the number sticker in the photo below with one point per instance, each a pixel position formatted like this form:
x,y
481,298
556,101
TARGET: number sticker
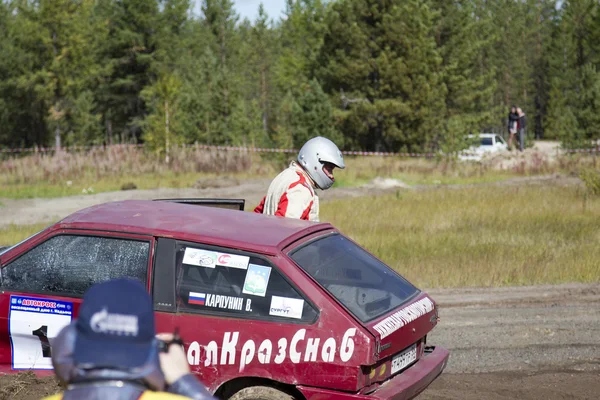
x,y
32,321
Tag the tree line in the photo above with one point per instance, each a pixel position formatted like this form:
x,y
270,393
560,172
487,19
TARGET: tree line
x,y
383,75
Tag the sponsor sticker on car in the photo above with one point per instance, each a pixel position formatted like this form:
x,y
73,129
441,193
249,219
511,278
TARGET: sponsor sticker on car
x,y
32,322
286,307
201,258
257,280
298,348
233,261
210,259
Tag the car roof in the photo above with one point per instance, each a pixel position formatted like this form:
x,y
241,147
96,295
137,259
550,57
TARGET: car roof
x,y
481,135
211,225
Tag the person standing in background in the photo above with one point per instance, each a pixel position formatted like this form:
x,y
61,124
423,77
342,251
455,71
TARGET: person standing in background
x,y
513,118
521,126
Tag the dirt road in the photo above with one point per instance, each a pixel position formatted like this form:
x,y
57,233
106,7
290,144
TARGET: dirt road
x,y
31,211
538,342
511,343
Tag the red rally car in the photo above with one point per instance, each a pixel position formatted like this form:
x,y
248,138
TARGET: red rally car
x,y
269,308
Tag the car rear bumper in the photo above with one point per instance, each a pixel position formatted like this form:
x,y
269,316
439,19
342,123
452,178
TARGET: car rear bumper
x,y
405,385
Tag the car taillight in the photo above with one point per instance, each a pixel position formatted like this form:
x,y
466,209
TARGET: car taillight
x,y
376,373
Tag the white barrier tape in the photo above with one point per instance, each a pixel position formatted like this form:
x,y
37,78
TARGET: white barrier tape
x,y
591,150
246,149
211,147
69,148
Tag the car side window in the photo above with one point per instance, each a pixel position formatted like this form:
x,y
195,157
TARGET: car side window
x,y
223,282
70,264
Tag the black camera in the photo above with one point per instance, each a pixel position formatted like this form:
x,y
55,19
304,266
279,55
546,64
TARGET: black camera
x,y
163,345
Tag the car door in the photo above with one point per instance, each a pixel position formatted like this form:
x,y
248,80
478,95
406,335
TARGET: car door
x,y
42,286
240,315
500,144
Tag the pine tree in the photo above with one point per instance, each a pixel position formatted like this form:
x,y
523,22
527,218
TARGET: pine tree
x,y
128,55
220,19
588,110
11,117
573,101
382,68
512,21
541,58
561,122
58,34
312,116
259,52
173,34
464,38
301,38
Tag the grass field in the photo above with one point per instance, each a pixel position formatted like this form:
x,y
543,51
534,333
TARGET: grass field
x,y
15,233
90,185
486,236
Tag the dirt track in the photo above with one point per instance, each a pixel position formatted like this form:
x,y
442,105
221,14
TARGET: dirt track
x,y
538,342
510,343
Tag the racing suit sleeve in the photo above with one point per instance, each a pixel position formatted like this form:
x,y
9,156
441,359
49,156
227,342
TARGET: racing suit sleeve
x,y
259,208
189,386
296,202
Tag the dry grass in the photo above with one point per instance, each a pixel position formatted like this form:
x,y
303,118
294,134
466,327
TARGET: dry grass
x,y
63,174
13,234
119,160
487,236
483,236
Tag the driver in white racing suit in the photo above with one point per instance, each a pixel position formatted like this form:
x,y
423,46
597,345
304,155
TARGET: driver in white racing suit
x,y
292,192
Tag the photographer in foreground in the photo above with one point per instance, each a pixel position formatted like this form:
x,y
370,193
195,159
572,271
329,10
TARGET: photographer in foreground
x,y
111,351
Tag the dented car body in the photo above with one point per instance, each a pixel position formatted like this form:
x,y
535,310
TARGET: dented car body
x,y
258,300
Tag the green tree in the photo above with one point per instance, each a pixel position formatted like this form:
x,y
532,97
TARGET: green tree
x,y
588,110
382,69
220,20
58,35
312,115
465,39
161,125
573,102
300,36
128,55
261,59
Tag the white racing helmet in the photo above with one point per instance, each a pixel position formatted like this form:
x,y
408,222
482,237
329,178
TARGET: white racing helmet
x,y
313,156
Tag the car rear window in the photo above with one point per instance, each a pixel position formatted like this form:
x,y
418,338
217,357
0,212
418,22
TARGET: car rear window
x,y
364,285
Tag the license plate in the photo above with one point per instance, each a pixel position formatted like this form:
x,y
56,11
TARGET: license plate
x,y
403,359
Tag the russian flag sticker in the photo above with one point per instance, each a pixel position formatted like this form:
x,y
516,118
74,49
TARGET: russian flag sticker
x,y
197,298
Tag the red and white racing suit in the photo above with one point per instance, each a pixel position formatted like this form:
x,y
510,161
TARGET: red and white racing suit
x,y
292,195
